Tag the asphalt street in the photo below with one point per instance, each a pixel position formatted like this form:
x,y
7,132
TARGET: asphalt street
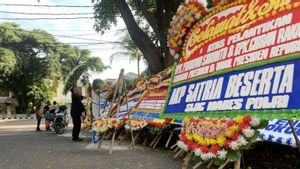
x,y
21,147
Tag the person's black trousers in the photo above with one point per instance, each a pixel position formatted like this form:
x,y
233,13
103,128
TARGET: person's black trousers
x,y
38,123
76,127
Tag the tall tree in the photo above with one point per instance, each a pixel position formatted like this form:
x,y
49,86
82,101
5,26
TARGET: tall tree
x,y
157,13
33,63
30,57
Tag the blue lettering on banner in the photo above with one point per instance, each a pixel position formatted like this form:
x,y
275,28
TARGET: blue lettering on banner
x,y
269,87
144,116
282,126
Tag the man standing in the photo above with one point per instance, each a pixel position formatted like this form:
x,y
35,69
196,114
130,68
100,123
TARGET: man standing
x,y
76,111
39,114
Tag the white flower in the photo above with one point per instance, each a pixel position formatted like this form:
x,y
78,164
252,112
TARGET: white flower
x,y
207,156
181,21
182,145
198,152
234,145
176,56
222,154
254,122
179,42
203,2
248,132
241,141
172,52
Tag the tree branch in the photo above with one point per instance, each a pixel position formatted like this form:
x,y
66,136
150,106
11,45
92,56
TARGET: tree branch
x,y
140,38
150,18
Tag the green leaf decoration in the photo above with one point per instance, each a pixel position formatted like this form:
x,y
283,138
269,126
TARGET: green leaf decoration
x,y
255,136
218,161
246,147
263,124
233,155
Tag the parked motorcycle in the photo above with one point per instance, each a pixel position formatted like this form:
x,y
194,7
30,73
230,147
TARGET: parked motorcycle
x,y
58,119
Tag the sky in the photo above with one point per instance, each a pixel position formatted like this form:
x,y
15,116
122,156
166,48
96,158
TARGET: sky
x,y
78,28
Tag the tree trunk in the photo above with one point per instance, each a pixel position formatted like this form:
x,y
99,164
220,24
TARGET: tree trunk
x,y
150,52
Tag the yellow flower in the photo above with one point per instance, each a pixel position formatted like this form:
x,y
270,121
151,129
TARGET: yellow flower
x,y
221,141
239,119
189,137
229,133
186,120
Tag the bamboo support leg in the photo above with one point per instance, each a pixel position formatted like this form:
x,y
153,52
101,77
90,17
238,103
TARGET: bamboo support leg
x,y
123,138
134,139
154,140
100,141
120,135
224,165
112,142
186,160
210,164
145,141
181,154
169,139
108,135
157,141
176,149
173,146
237,164
178,153
198,165
294,134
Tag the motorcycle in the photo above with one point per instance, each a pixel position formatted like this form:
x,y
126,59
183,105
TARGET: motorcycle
x,y
58,119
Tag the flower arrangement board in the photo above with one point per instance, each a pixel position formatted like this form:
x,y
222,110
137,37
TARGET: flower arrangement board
x,y
279,131
152,100
123,108
238,59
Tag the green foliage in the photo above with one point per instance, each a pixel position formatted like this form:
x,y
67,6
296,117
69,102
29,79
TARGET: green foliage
x,y
127,49
218,161
31,60
77,62
32,64
105,14
7,62
263,124
233,155
255,136
97,83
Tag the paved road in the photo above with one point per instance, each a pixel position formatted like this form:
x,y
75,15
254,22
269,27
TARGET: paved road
x,y
21,147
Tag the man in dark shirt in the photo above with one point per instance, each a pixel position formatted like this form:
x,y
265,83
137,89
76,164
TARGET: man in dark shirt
x,y
76,111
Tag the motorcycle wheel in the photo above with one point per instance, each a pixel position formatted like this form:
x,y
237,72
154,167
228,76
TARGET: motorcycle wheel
x,y
59,128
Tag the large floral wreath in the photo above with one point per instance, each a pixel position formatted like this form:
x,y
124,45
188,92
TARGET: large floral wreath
x,y
219,138
135,124
101,125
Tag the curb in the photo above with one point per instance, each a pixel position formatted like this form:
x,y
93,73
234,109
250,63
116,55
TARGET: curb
x,y
17,118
